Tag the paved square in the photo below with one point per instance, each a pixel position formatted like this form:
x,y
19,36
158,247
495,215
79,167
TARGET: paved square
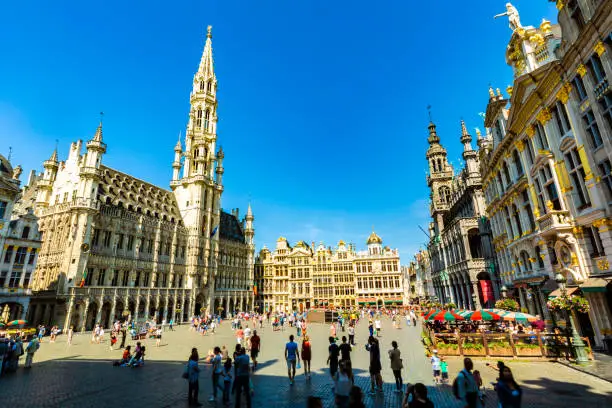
x,y
82,374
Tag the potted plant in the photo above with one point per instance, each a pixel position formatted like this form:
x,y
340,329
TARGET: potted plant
x,y
567,303
450,306
507,304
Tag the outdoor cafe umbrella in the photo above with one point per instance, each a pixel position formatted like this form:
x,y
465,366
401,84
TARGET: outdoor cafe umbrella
x,y
480,315
448,316
430,313
17,323
519,317
2,324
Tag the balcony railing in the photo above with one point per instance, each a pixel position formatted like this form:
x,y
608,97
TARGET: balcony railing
x,y
554,220
601,88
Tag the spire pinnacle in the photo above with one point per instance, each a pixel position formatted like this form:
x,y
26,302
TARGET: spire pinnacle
x,y
433,136
206,62
466,138
464,131
53,157
249,211
98,136
178,148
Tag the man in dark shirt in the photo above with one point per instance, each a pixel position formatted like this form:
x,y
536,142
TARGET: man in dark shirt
x,y
332,360
345,350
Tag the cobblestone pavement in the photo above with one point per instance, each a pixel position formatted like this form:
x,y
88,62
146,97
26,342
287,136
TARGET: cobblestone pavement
x,y
82,374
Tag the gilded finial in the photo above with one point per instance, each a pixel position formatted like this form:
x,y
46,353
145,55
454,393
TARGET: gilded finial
x,y
209,31
498,92
491,92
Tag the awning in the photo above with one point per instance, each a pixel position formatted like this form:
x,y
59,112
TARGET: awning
x,y
557,292
594,285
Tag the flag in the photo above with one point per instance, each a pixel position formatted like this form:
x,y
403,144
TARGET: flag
x,y
214,231
255,288
82,283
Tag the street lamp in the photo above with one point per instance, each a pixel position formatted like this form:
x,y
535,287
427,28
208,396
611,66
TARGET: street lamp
x,y
576,343
474,298
504,291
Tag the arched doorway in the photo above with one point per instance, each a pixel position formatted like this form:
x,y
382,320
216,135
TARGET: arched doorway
x,y
199,305
119,308
380,303
92,312
105,317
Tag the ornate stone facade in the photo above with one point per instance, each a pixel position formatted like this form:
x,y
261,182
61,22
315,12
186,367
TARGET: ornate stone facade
x,y
461,258
301,277
19,244
114,245
546,162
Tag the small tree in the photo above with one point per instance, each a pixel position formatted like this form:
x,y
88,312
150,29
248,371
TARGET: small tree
x,y
450,305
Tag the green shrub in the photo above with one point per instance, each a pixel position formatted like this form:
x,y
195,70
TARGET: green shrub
x,y
451,346
526,346
498,345
473,346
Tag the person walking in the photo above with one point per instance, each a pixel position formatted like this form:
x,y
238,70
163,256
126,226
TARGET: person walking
x,y
377,326
292,357
31,348
227,380
306,356
193,375
345,350
123,334
70,334
255,347
332,359
435,366
217,373
396,366
351,334
467,386
171,324
375,366
509,393
416,397
242,381
342,386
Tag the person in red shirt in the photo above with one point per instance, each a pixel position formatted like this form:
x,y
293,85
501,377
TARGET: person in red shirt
x,y
255,347
306,355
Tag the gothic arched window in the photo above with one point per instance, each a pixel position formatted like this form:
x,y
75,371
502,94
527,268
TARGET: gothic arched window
x,y
201,85
444,193
517,163
198,122
209,87
207,119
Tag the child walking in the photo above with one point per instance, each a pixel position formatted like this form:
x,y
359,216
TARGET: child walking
x,y
444,370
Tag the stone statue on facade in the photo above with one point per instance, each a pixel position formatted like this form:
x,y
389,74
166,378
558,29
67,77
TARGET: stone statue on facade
x,y
513,16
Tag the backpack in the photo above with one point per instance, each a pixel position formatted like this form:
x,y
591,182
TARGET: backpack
x,y
456,385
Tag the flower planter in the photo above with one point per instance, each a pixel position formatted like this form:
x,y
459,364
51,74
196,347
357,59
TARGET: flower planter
x,y
474,352
531,352
501,351
448,351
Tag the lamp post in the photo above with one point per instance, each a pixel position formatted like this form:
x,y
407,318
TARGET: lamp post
x,y
474,298
504,291
576,343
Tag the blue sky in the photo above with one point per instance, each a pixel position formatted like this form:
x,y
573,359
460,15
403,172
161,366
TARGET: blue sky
x,y
322,105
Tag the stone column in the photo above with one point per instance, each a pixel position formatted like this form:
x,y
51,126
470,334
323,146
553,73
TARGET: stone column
x,y
24,307
148,305
100,304
85,311
475,291
113,307
136,308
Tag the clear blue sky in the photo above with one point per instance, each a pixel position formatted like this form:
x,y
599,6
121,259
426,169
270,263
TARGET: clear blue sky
x,y
322,104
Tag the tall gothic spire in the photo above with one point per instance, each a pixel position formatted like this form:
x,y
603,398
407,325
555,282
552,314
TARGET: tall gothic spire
x,y
206,68
98,136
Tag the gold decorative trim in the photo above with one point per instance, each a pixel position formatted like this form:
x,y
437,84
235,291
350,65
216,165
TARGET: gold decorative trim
x,y
603,264
520,145
560,4
581,70
530,131
564,92
544,116
600,48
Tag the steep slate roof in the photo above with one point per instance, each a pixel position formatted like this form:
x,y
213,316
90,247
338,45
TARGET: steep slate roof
x,y
230,228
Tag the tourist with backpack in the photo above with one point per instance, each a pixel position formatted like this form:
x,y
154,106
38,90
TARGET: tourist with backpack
x,y
32,348
465,386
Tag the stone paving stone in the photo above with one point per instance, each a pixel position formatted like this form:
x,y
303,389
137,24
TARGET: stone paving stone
x,y
83,375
